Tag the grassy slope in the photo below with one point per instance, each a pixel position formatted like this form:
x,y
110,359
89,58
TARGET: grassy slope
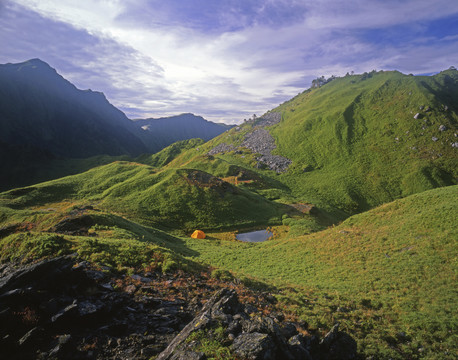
x,y
394,267
359,141
361,138
388,287
387,275
164,198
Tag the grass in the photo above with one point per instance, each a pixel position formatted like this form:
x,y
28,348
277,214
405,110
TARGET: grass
x,y
181,199
388,275
393,269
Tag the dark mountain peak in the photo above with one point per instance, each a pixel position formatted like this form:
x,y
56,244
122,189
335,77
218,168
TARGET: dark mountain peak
x,y
34,65
37,62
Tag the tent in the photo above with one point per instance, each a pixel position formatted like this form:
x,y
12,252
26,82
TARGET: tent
x,y
198,234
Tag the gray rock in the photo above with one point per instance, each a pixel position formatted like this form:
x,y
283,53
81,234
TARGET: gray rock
x,y
442,128
338,345
189,355
66,314
221,149
254,346
32,337
434,138
298,349
417,116
224,299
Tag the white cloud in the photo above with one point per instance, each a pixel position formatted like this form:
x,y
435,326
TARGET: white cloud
x,y
245,57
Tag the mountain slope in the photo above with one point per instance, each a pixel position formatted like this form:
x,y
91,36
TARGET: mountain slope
x,y
46,123
165,131
391,271
40,108
355,143
175,199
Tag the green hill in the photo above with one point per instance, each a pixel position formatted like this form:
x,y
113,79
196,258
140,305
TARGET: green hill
x,y
176,199
355,143
391,272
388,275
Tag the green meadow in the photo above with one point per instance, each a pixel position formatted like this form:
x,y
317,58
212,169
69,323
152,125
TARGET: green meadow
x,y
376,249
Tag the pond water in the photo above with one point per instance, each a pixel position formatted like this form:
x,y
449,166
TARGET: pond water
x,y
254,236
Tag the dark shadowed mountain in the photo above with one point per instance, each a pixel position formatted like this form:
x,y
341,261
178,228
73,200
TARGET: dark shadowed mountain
x,y
166,131
40,109
45,120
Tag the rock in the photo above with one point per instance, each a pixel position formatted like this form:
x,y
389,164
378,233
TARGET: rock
x,y
221,149
298,348
63,347
455,145
254,346
32,337
78,225
330,337
260,141
89,309
338,345
434,138
66,315
150,351
224,299
442,128
288,330
189,355
417,116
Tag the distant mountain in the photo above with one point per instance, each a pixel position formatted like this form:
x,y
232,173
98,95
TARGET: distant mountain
x,y
39,108
167,130
44,119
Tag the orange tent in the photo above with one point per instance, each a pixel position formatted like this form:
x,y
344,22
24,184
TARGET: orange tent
x,y
198,234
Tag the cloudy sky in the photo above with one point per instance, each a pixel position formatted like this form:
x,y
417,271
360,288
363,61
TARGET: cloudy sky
x,y
224,59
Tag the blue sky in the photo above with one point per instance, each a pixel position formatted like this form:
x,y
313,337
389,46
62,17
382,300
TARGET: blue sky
x,y
224,59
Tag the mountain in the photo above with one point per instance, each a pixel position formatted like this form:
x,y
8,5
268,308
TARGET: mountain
x,y
166,131
40,109
354,143
356,179
46,123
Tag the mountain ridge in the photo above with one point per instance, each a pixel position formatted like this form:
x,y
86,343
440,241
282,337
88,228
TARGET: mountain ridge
x,y
45,120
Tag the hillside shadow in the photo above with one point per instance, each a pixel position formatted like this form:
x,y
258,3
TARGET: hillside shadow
x,y
447,93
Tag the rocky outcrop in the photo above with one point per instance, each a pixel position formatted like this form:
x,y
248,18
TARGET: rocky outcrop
x,y
254,337
261,142
221,149
65,309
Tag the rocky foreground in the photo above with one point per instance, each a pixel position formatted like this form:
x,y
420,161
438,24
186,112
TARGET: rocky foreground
x,y
64,309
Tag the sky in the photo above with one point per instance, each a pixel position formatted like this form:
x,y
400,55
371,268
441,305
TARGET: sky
x,y
224,59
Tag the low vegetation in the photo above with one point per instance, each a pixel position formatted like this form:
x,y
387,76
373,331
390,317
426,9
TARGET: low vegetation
x,y
364,217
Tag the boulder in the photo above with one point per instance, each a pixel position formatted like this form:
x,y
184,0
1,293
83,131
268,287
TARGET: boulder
x,y
254,346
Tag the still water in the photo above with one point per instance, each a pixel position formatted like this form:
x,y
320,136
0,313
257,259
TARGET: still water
x,y
254,236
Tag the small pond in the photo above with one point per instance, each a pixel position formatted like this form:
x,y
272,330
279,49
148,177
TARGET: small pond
x,y
254,236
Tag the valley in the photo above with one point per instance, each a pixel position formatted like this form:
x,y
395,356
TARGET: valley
x,y
356,179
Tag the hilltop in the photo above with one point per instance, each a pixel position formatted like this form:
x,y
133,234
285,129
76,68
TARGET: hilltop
x,y
352,144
